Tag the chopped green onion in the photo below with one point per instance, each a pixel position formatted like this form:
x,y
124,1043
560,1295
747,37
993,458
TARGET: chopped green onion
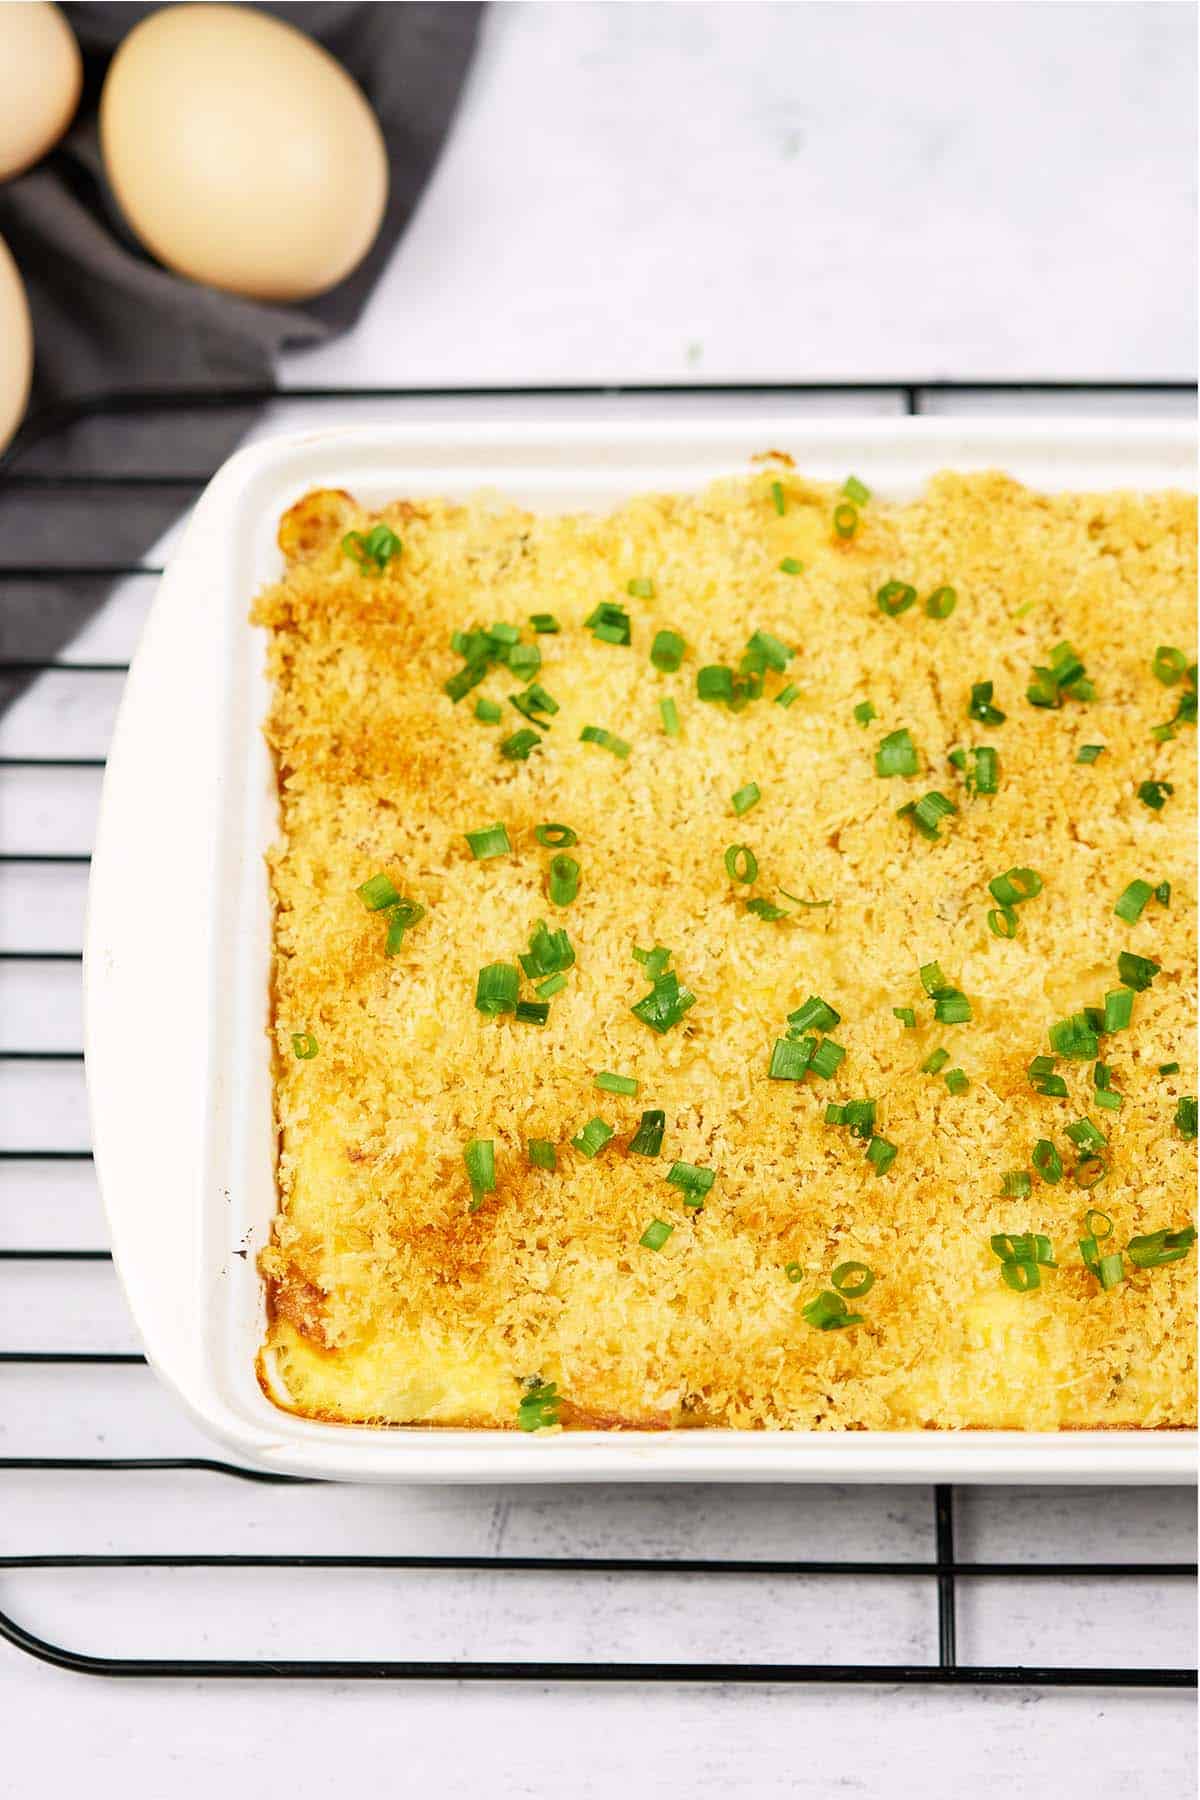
x,y
490,840
1002,922
655,961
790,566
1155,794
768,652
553,984
933,981
670,717
1108,1270
542,1154
505,635
544,622
647,1139
1016,1184
790,1060
745,798
895,597
539,1407
1066,675
826,1058
694,1183
609,622
794,1272
766,909
1097,1224
1047,1161
852,1279
985,778
897,755
615,1084
864,712
531,1012
640,588
980,706
656,1234
845,519
1017,886
935,1062
1090,753
666,652
1022,1276
741,864
460,684
787,695
952,1008
1025,1246
829,1312
927,813
525,660
488,712
906,1015
1137,972
1185,1116
399,918
549,953
533,701
941,603
377,893
1086,1136
1162,893
595,734
778,497
1158,1248
480,1158
714,682
815,1015
372,550
854,490
1118,1009
517,747
1043,1080
304,1045
563,884
1171,1068
881,1154
1169,664
665,1004
553,836
1133,901
593,1137
1075,1037
496,989
857,1116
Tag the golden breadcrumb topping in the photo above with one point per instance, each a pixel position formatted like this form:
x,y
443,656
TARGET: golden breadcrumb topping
x,y
393,1301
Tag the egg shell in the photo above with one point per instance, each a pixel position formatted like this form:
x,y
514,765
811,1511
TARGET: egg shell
x,y
241,153
41,73
16,347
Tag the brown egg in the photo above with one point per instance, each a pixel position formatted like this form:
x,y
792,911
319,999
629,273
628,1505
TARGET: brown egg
x,y
16,347
41,73
241,154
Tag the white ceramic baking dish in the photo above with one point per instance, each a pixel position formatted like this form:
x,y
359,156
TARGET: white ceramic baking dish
x,y
178,937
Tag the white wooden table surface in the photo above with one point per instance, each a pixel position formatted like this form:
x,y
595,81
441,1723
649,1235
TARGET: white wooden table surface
x,y
640,193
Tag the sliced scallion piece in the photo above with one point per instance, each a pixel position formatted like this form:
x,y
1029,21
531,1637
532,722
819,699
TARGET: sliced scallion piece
x,y
854,490
715,682
1137,972
1185,1116
595,734
941,603
694,1183
881,1154
1155,1249
304,1045
377,893
1169,664
488,841
980,705
670,716
641,587
592,1139
791,566
927,813
1155,794
544,623
745,798
488,712
897,755
845,520
829,1312
1090,753
563,883
542,1154
518,747
815,1015
787,695
895,597
852,1279
741,864
647,1139
667,651
615,1084
480,1158
864,712
778,499
1133,901
496,988
656,1234
665,1005
553,984
1047,1161
531,1012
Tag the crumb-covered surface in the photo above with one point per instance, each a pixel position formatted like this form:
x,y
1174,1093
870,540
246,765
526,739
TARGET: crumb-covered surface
x,y
392,1301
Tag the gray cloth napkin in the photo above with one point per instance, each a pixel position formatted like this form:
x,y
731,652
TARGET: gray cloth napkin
x,y
107,318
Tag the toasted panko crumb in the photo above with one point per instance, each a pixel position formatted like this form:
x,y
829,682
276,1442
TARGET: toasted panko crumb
x,y
392,1301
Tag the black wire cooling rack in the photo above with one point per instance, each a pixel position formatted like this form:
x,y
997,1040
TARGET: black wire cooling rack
x,y
27,469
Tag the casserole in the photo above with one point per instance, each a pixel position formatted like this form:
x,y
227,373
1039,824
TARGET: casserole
x,y
179,938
